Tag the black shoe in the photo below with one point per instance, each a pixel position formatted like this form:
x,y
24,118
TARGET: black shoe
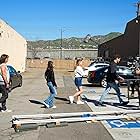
x,y
123,103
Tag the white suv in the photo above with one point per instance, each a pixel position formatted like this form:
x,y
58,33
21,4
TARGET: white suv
x,y
94,65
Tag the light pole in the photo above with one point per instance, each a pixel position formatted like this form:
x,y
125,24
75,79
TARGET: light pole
x,y
88,38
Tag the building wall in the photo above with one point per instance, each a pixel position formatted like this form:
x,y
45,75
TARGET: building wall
x,y
14,45
126,45
65,53
115,46
59,64
131,39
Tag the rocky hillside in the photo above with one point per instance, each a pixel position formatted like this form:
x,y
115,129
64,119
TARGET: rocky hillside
x,y
72,43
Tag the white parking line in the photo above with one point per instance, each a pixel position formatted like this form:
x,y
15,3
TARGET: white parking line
x,y
117,133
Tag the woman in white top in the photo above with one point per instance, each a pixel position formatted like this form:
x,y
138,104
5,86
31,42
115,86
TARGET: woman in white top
x,y
79,73
4,82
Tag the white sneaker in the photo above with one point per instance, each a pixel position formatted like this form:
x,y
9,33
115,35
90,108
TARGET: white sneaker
x,y
46,104
80,102
53,106
7,110
77,89
71,99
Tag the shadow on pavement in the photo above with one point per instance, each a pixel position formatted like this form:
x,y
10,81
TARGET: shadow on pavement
x,y
61,98
127,107
95,102
64,99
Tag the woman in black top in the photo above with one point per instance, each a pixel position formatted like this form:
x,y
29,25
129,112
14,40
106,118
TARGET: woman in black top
x,y
50,78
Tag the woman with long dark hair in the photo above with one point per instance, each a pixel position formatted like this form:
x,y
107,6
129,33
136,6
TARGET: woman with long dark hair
x,y
50,78
4,82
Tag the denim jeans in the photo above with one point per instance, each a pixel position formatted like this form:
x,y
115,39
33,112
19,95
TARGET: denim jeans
x,y
78,82
108,88
53,93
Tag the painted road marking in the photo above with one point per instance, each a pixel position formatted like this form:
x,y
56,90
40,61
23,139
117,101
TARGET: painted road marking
x,y
123,124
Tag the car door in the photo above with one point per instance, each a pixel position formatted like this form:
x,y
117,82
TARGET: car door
x,y
13,76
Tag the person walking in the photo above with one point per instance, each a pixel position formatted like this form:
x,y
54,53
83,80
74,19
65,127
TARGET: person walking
x,y
113,80
4,82
79,73
135,84
50,78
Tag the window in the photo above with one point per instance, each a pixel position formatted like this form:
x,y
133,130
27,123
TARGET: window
x,y
11,70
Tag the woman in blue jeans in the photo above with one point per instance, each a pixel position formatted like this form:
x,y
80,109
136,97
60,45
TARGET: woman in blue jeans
x,y
50,78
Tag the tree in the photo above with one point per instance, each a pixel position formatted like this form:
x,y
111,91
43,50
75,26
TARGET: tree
x,y
35,50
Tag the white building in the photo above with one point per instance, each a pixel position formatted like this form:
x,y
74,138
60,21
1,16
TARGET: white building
x,y
14,45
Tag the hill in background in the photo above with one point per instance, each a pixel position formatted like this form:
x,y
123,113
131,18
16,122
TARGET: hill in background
x,y
72,43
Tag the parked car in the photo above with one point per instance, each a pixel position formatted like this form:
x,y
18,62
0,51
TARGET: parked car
x,y
15,78
95,65
98,76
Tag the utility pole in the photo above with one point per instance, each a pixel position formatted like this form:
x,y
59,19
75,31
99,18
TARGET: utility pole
x,y
61,44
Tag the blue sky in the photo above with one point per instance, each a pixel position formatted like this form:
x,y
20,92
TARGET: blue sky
x,y
43,19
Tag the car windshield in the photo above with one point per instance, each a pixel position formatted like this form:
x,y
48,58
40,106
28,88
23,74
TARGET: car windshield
x,y
124,69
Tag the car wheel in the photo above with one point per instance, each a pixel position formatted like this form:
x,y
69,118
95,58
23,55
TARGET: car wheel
x,y
103,82
10,86
20,84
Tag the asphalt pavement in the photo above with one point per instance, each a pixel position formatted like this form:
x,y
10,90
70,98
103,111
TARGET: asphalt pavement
x,y
34,87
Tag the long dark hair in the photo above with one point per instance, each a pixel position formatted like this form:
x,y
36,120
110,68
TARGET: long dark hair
x,y
78,61
50,66
116,56
3,58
